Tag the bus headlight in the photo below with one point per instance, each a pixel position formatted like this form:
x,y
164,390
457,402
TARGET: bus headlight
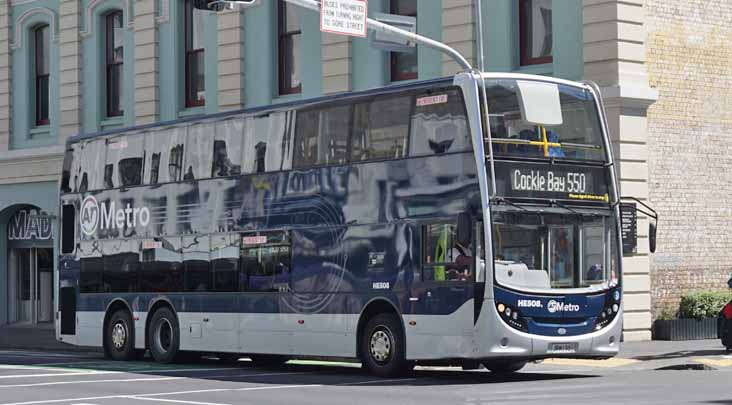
x,y
512,317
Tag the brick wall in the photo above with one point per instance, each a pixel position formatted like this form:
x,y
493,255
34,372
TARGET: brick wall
x,y
689,59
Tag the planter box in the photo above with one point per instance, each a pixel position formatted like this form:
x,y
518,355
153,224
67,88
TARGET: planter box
x,y
685,329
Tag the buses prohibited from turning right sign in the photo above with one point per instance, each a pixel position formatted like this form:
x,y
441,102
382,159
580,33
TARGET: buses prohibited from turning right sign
x,y
345,17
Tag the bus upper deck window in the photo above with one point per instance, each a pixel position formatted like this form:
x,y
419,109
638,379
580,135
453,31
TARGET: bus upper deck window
x,y
439,123
381,129
227,148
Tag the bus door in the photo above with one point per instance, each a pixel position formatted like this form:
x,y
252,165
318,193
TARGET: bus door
x,y
265,276
448,271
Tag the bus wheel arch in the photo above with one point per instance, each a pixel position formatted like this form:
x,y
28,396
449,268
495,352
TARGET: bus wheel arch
x,y
378,320
118,331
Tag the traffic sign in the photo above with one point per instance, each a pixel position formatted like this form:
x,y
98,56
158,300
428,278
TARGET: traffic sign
x,y
344,17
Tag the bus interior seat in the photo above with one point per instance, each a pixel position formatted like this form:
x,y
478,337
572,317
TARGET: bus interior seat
x,y
519,275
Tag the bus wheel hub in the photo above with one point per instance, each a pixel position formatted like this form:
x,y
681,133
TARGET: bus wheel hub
x,y
380,346
119,335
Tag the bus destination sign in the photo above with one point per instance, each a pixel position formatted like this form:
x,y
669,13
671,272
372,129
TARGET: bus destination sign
x,y
558,182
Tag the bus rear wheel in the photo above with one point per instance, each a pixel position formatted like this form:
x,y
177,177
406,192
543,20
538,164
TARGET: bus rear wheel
x,y
504,366
382,348
164,336
118,337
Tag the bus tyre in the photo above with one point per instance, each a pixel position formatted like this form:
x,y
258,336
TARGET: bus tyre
x,y
504,367
164,336
382,347
119,339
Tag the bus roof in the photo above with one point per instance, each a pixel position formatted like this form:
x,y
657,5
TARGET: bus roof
x,y
267,108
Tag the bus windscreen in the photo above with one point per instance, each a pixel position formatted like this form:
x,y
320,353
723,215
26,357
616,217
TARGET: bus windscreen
x,y
578,137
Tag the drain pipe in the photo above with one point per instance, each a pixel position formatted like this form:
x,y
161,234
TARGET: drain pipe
x,y
478,13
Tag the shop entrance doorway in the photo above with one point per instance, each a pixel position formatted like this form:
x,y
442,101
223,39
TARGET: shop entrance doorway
x,y
31,285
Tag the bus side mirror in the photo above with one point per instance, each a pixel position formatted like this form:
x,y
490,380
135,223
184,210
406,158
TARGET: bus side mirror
x,y
652,236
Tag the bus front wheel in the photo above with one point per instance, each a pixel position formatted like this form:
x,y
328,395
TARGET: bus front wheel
x,y
382,347
164,336
504,367
118,339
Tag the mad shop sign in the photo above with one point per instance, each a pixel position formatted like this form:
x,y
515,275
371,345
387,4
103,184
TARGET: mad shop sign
x,y
29,225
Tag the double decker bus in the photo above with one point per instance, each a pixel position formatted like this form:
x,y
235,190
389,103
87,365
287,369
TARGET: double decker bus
x,y
425,223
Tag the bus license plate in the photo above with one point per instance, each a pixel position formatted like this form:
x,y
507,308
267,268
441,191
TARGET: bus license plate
x,y
562,348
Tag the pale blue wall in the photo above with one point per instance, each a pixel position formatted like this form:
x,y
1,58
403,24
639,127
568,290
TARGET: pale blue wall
x,y
94,115
172,68
370,67
260,56
501,39
25,134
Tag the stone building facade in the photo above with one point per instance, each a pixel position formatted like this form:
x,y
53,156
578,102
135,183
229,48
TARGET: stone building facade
x,y
689,61
638,51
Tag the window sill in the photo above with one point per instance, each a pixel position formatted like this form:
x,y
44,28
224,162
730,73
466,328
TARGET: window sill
x,y
39,132
543,69
192,111
284,98
111,122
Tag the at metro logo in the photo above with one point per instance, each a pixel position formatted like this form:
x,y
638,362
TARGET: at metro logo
x,y
558,306
93,216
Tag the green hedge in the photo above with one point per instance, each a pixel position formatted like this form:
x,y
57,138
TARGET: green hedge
x,y
703,304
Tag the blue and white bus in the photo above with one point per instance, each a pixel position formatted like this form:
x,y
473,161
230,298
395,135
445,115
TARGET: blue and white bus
x,y
398,226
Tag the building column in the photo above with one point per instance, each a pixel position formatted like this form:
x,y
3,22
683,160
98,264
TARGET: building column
x,y
615,57
147,97
336,63
231,59
4,77
70,69
458,31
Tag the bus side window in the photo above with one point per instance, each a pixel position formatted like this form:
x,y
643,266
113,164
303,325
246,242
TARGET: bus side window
x,y
225,262
380,129
91,266
162,267
198,157
91,165
267,143
321,136
164,155
227,148
444,256
121,265
439,123
196,263
124,160
266,260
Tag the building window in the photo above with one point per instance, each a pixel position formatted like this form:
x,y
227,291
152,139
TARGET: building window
x,y
404,64
288,45
195,68
535,25
41,39
114,63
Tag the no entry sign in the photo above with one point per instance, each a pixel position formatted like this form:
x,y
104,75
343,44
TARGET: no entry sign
x,y
345,17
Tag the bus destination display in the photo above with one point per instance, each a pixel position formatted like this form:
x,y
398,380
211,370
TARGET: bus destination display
x,y
559,182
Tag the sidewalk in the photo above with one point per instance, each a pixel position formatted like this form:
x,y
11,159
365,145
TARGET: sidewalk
x,y
32,337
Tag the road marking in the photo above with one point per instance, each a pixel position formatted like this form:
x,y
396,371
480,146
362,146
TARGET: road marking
x,y
178,401
205,391
65,374
90,381
377,381
723,362
608,363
